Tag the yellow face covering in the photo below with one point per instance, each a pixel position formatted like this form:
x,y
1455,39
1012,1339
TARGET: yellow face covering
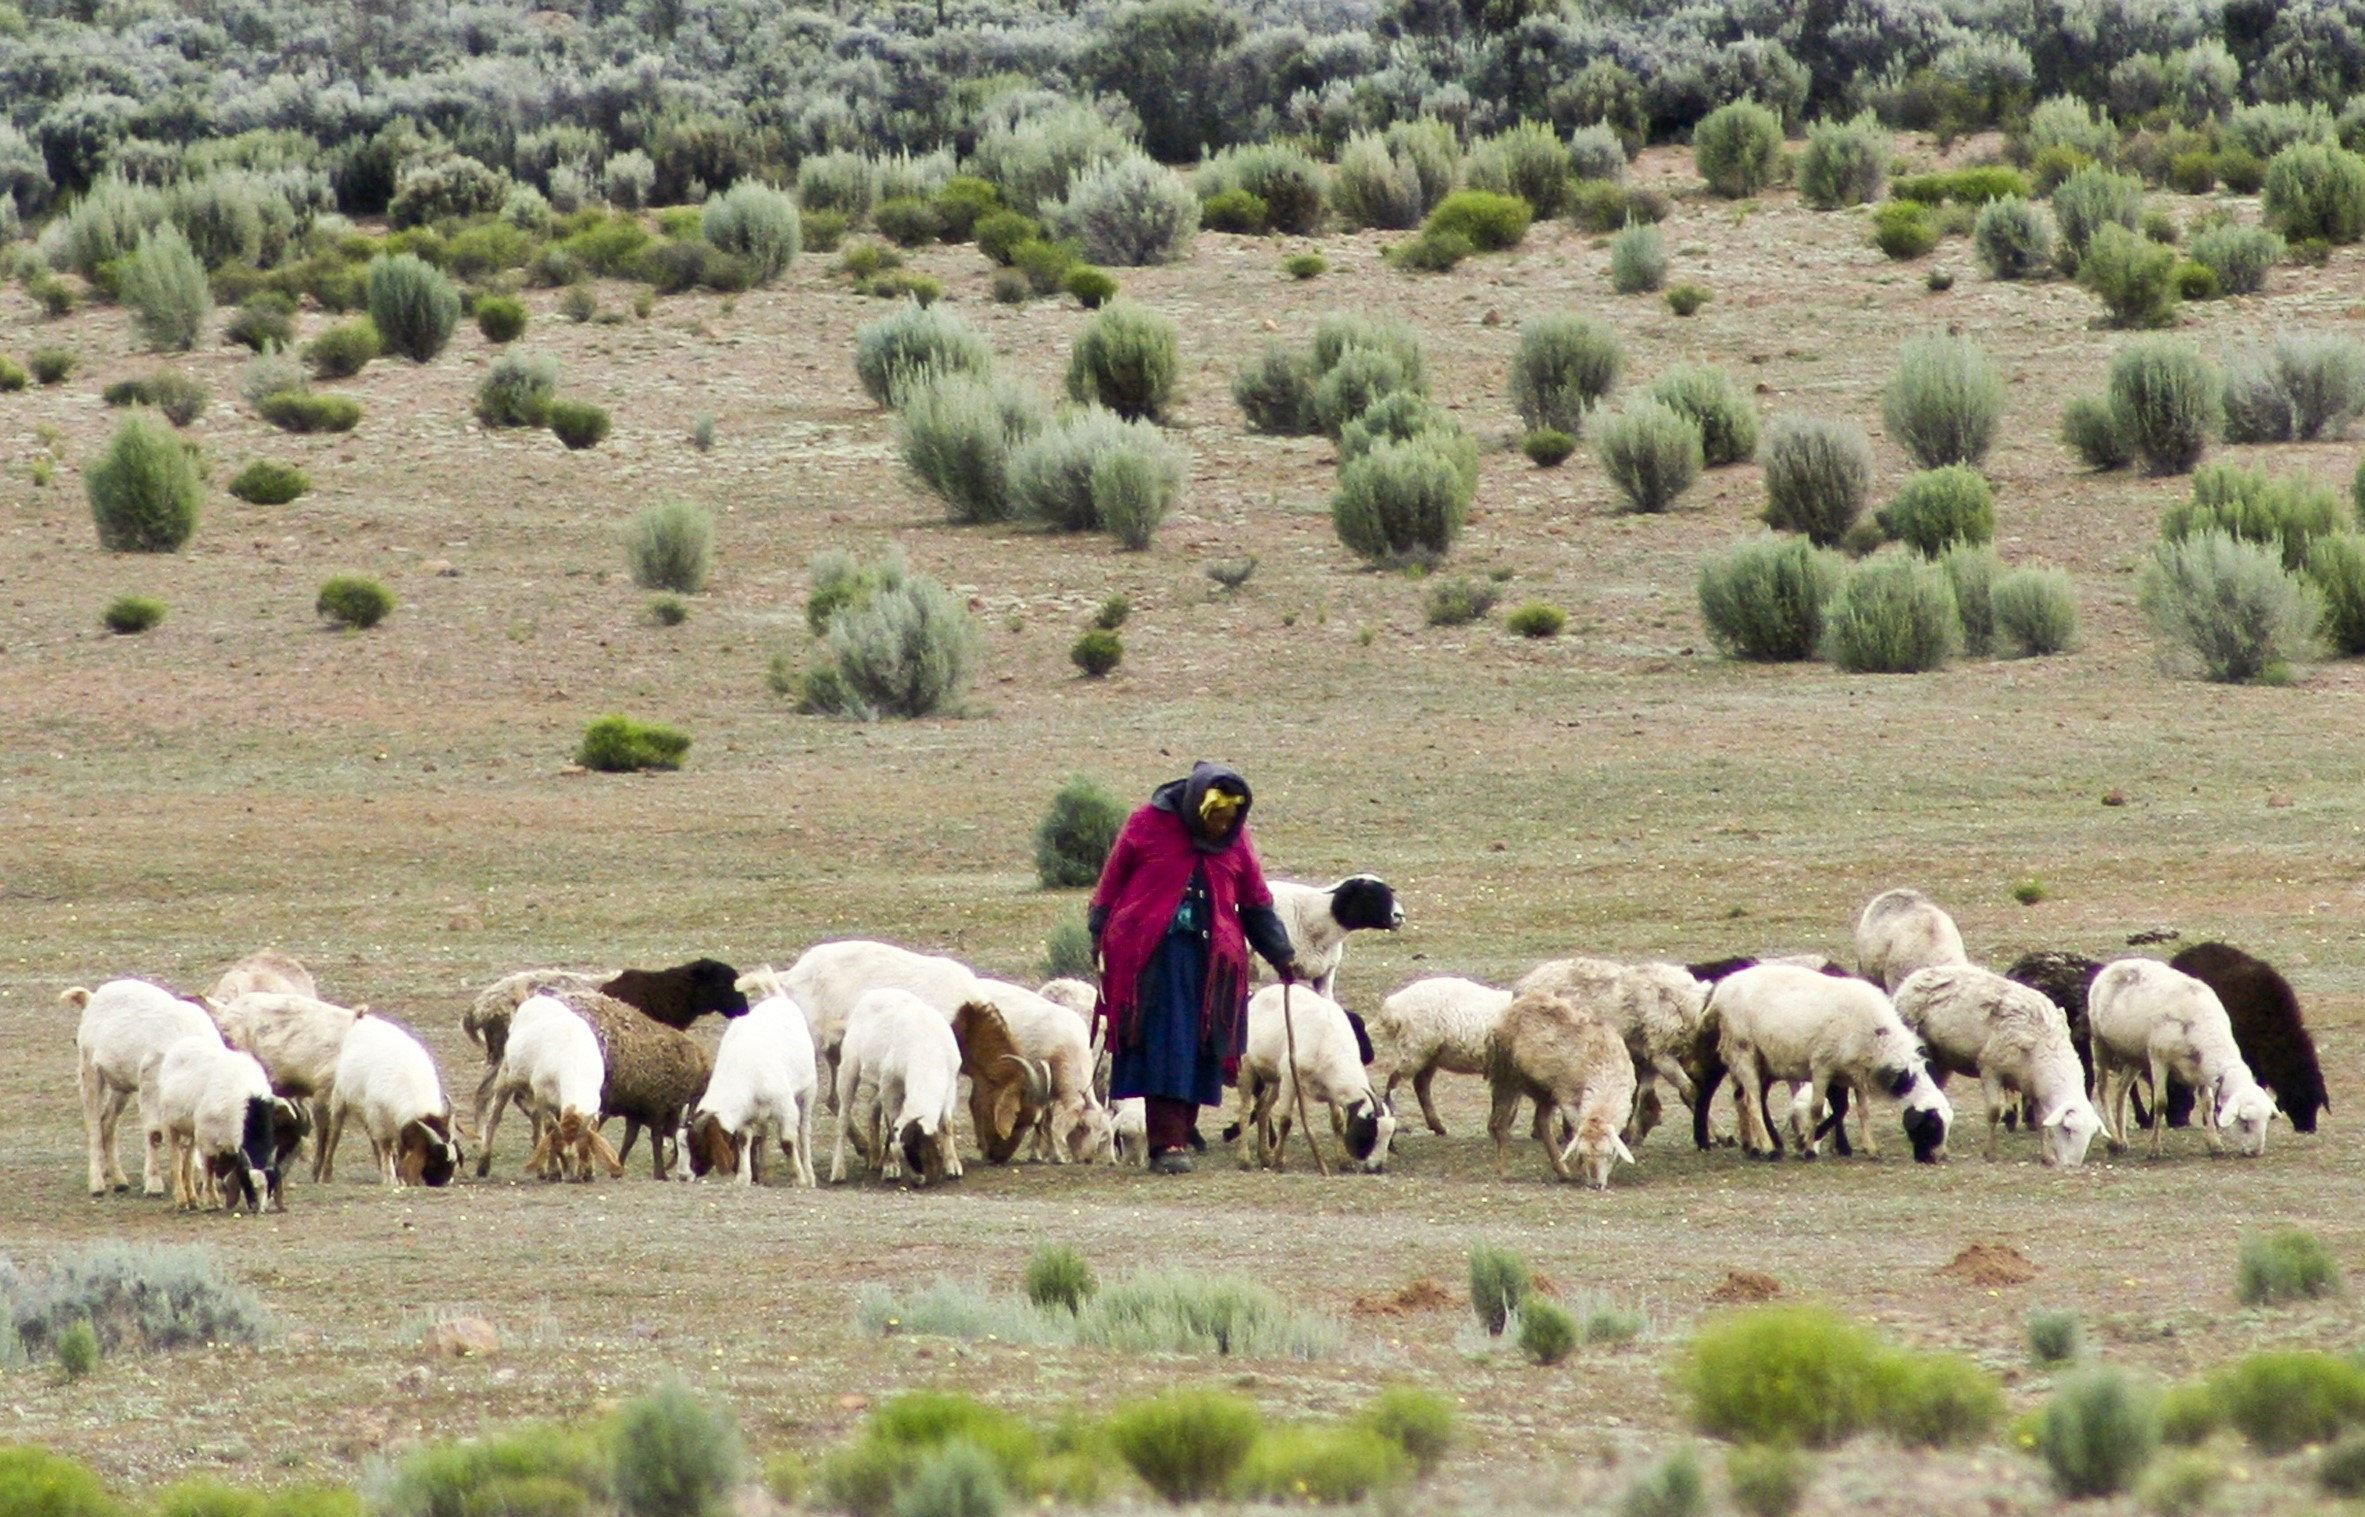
x,y
1219,806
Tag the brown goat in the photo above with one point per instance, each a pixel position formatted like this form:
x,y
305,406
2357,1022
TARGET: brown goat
x,y
1008,1093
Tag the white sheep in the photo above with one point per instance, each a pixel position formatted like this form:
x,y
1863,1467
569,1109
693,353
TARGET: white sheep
x,y
1074,1126
763,1087
1329,1068
486,1022
2151,1023
1319,917
1437,1023
829,978
1547,1049
1078,996
1780,1022
899,1080
1656,1008
127,1027
1902,931
386,1082
1129,1131
297,1039
2015,1041
552,1067
269,971
222,1126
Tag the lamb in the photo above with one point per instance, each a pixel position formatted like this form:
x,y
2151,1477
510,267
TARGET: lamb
x,y
1319,917
2152,1022
1976,1022
1129,1131
2268,1029
1327,1067
680,995
1902,931
1788,1022
223,1126
269,971
652,1075
1432,1024
1009,1094
1073,1124
297,1039
126,1029
1656,1008
899,1078
1545,1048
552,1068
829,978
386,1080
763,1085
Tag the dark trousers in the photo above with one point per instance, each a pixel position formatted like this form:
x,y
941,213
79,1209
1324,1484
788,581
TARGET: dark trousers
x,y
1170,1121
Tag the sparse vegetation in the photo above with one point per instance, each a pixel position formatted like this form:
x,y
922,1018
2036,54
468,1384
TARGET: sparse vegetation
x,y
268,482
352,602
144,489
128,616
2285,1264
619,744
670,546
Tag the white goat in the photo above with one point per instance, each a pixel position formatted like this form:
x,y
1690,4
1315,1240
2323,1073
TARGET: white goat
x,y
2151,1023
386,1080
763,1086
1319,917
2015,1041
1545,1048
1902,931
297,1039
552,1067
1656,1008
1329,1067
221,1125
1784,1022
900,1067
1432,1024
269,971
1074,1126
829,978
1129,1137
127,1027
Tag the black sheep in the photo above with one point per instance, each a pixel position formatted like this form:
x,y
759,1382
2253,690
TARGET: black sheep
x,y
2268,1030
680,995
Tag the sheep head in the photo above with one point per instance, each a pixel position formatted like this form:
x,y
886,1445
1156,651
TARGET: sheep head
x,y
2244,1112
923,1156
425,1153
1597,1146
1364,901
714,1148
2067,1133
1927,1116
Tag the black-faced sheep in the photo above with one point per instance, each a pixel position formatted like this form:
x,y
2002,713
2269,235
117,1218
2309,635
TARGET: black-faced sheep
x,y
1319,917
2268,1029
1328,1068
127,1027
297,1038
680,995
1784,1022
1902,931
899,1081
1545,1048
2151,1022
222,1126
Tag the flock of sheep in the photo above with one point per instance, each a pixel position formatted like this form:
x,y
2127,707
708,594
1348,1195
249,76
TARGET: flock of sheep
x,y
228,1084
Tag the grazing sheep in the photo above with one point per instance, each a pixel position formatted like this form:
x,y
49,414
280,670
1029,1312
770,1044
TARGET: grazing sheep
x,y
1129,1131
1437,1023
680,995
1009,1094
1709,1058
1902,931
297,1039
386,1079
899,1079
552,1068
1787,1022
1319,917
829,978
222,1125
763,1085
127,1027
2268,1029
486,1022
2152,1022
270,972
1078,996
2066,979
652,1075
1327,1067
1656,1008
1977,1022
1073,1126
1546,1049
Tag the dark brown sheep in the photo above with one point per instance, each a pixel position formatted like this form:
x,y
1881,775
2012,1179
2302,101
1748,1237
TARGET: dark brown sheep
x,y
680,995
2268,1029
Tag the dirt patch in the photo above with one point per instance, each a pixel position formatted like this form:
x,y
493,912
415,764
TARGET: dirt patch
x,y
1991,1264
1742,1287
1423,1295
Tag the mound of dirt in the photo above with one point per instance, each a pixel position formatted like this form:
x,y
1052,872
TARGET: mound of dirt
x,y
1991,1264
1742,1287
1423,1295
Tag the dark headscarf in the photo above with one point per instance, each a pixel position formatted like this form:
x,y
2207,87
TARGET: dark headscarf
x,y
1182,797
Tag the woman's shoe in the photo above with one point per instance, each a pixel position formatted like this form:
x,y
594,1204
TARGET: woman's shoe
x,y
1171,1161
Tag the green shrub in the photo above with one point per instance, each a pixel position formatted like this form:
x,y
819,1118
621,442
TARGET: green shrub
x,y
1360,379
1491,222
264,324
2133,277
1284,178
413,305
1133,489
1113,612
1971,571
1671,1486
1235,210
956,1480
1276,393
1126,359
1938,508
1059,1276
670,546
2194,281
1844,163
1499,1285
1393,179
2336,565
1457,602
908,221
957,432
1816,473
676,1455
1944,402
2193,173
162,284
2098,1432
2090,427
517,390
1726,417
1305,265
1400,501
1430,253
1565,365
578,304
267,482
2315,191
2282,1400
1128,212
2323,376
1419,1422
578,423
2036,613
617,744
1929,1400
1537,619
1737,148
2166,402
52,366
1324,1466
2086,202
1686,299
352,601
1405,417
12,375
1071,844
910,650
2238,255
144,489
1903,229
894,351
2229,606
342,351
1638,260
2190,1413
1526,161
2014,239
1063,475
668,610
1974,186
38,1483
1093,288
961,204
840,582
756,222
127,615
1799,1375
1547,447
1763,599
1002,233
531,1472
1892,616
180,398
1651,453
1185,1446
2340,1470
206,1498
2285,1264
1547,1330
1766,1480
501,318
304,411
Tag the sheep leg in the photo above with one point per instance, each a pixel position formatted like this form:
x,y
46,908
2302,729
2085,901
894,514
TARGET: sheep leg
x,y
1640,1120
1757,1137
804,1170
2156,1073
489,1122
837,1158
1420,1089
485,1098
1249,1122
1554,1154
102,1108
325,1138
1999,1105
1280,1110
1863,1104
1678,1078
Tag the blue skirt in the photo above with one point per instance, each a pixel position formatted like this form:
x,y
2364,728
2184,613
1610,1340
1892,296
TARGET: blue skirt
x,y
1171,1057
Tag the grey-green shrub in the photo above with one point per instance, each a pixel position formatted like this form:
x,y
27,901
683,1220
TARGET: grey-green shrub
x,y
911,650
1067,951
2065,121
1128,212
1816,473
1938,508
352,601
1036,156
163,286
1283,177
1133,489
1932,1400
2166,402
1063,477
578,423
1072,842
1349,387
1737,148
958,1479
2315,191
1565,365
264,324
1971,571
1525,159
2264,129
755,222
1945,401
2035,611
2238,255
2056,1336
2014,238
304,411
1185,1446
342,351
676,1455
2323,376
1766,1480
670,546
841,181
914,340
1762,599
2285,513
1638,259
2284,1264
2089,200
1393,179
2255,405
2133,276
2098,1432
2336,564
517,390
412,305
1892,615
1596,153
1499,1285
2090,427
1275,391
1547,1330
1650,452
1670,1486
1844,162
2284,1399
2228,608
1404,417
1725,415
1459,601
1126,359
1338,333
144,488
1401,500
266,482
957,432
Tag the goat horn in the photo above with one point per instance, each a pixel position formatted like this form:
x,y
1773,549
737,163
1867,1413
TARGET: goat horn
x,y
1038,1082
1624,1152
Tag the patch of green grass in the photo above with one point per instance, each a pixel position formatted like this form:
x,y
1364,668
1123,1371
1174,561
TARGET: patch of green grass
x,y
2285,1264
128,616
617,744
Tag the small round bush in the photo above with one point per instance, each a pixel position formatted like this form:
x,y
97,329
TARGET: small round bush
x,y
1093,470
1305,265
1185,1446
2086,202
617,744
264,324
52,366
1491,222
267,482
1686,299
352,601
1459,601
1638,260
578,423
1892,616
2091,428
2284,513
1726,417
180,398
1093,288
676,1455
342,351
143,489
1276,393
2238,255
908,221
2035,612
956,1479
1945,401
1288,182
1763,599
1421,1423
2284,1399
12,375
412,305
78,1346
756,222
1903,230
1597,153
1737,148
1650,452
517,390
1071,844
2285,1264
1844,162
911,650
2056,1336
51,1485
670,546
304,411
1097,652
2322,374
2228,607
1128,212
1526,160
895,350
1133,489
2013,238
1930,1400
1816,473
1565,365
1235,210
501,318
1547,1330
1767,1481
1794,1375
1400,500
1547,447
1430,253
1338,333
1360,379
2315,191
2133,277
2098,1432
668,610
2340,1469
1126,359
1537,619
2166,401
1938,508
130,615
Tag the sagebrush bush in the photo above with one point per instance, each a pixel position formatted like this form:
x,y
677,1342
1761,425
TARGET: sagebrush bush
x,y
1763,598
517,390
144,489
1283,177
1725,415
527,1472
52,366
501,318
2228,607
2315,191
1421,1423
1933,1400
342,351
1360,379
1179,1313
1670,1486
1903,229
1547,447
2340,1471
1491,222
2035,612
676,1455
1844,162
911,650
1185,1446
163,285
2056,1336
2085,203
1971,571
1638,259
1275,391
1945,401
1321,1465
1393,179
1499,1285
1767,1481
1798,1375
751,220
957,432
304,411
1059,476
898,349
145,1296
1406,417
1133,489
578,423
1401,500
1597,153
2133,276
1601,207
128,616
1816,473
1526,160
2166,402
12,375
907,221
2255,406
351,601
2285,1399
2238,255
1547,1331
1938,508
1067,951
1057,1275
956,1480
2090,427
2284,513
670,546
1650,452
265,323
2336,565
1737,148
180,398
2284,1264
1126,359
2323,377
1127,212
1565,366
2098,1432
267,482
412,305
2014,239
1892,615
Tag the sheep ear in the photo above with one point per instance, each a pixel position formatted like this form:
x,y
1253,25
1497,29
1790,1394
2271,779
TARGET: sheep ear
x,y
1618,1142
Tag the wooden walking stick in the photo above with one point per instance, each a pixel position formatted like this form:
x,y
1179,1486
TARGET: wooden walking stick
x,y
1296,1086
